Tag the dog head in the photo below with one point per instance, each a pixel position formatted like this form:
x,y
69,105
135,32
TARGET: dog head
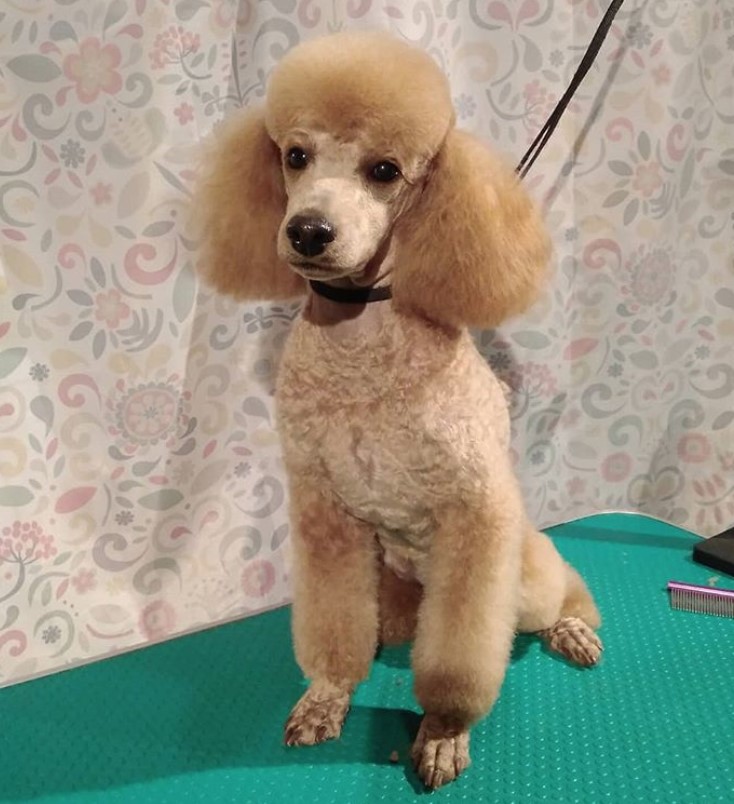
x,y
357,119
354,156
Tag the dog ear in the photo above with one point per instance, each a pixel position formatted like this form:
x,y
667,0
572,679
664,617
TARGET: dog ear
x,y
473,250
237,208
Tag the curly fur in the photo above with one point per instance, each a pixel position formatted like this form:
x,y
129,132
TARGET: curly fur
x,y
492,264
332,84
408,521
238,208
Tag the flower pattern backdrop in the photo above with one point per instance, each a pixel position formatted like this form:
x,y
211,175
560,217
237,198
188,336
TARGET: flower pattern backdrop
x,y
141,492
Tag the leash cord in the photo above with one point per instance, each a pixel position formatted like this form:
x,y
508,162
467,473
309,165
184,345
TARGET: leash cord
x,y
584,65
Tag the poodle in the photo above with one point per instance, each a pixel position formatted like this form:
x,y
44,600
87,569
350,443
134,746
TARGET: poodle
x,y
407,520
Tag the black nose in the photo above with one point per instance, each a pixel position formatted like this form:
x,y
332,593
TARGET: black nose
x,y
309,235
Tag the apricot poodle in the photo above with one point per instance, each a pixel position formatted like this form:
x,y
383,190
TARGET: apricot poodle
x,y
408,522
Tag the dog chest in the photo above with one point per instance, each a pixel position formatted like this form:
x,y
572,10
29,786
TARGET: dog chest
x,y
395,477
385,479
395,429
389,479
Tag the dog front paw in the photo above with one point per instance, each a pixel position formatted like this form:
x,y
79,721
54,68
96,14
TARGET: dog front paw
x,y
440,752
318,716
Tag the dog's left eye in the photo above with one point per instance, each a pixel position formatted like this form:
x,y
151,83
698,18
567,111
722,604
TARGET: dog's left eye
x,y
384,171
296,158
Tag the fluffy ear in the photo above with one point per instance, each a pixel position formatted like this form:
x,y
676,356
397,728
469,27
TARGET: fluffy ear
x,y
238,206
473,250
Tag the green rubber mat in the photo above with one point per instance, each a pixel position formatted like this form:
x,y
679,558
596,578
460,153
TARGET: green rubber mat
x,y
199,719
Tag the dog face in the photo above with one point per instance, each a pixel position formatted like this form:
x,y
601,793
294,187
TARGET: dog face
x,y
355,148
343,199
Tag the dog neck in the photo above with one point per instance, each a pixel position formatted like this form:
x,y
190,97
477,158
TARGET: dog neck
x,y
342,321
346,320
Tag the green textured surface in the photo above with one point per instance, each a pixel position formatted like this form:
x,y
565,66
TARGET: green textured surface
x,y
200,718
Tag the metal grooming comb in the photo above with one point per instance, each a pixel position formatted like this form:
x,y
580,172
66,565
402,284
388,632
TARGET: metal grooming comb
x,y
701,599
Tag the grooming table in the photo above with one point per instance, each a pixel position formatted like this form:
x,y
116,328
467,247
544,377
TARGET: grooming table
x,y
199,719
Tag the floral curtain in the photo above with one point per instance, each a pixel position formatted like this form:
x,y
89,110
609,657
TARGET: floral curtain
x,y
141,493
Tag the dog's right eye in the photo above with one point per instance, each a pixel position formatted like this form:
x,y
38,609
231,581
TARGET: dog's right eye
x,y
296,158
384,172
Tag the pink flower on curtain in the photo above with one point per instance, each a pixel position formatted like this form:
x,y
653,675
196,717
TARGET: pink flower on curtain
x,y
110,308
21,544
616,467
661,74
84,581
149,412
25,542
101,193
258,578
94,69
694,448
173,46
533,379
157,620
184,112
647,178
539,103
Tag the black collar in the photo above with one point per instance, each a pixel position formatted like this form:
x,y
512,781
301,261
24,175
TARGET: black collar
x,y
352,295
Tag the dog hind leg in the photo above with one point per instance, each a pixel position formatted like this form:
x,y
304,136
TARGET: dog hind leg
x,y
556,604
572,635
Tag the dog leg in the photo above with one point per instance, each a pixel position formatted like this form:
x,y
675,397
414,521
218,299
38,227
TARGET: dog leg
x,y
556,604
335,613
573,639
466,625
572,634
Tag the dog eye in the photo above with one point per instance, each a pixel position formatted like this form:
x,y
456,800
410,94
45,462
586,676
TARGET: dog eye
x,y
296,158
384,172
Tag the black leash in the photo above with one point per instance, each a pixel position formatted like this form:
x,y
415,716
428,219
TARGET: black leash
x,y
370,294
584,65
